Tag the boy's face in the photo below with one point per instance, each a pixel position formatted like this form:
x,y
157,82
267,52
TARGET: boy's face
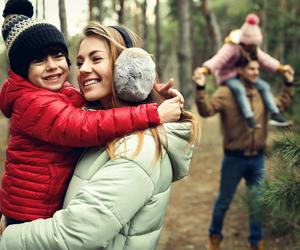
x,y
49,72
250,72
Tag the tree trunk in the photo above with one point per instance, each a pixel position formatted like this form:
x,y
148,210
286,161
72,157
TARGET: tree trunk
x,y
280,51
158,41
102,12
145,25
96,10
213,27
121,12
91,5
185,51
36,9
264,22
63,18
44,10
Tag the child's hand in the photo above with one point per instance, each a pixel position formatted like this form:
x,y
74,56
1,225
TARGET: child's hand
x,y
2,224
170,110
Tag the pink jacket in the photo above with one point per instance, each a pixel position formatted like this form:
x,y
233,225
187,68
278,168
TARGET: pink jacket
x,y
223,64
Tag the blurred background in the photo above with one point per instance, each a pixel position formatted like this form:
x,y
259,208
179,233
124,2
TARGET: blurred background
x,y
181,35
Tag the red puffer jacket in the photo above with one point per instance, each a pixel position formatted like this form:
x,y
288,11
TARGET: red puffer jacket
x,y
45,127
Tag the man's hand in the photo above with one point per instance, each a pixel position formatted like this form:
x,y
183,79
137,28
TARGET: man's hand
x,y
199,77
288,73
170,110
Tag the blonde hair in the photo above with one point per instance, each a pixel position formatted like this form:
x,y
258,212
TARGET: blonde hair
x,y
116,45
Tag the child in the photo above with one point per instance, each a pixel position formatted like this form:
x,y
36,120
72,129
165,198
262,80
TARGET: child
x,y
47,119
223,66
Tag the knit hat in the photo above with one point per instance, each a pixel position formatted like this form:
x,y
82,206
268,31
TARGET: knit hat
x,y
134,75
26,38
250,31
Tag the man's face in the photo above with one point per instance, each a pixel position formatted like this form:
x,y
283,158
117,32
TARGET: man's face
x,y
250,72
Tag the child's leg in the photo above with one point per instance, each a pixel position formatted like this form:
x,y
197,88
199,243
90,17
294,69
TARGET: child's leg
x,y
276,118
267,96
239,92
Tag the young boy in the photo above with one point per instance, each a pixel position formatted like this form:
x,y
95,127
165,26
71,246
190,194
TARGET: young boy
x,y
47,121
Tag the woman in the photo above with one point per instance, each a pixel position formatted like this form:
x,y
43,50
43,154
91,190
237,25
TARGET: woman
x,y
118,196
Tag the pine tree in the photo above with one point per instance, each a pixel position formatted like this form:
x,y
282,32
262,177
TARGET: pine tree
x,y
281,196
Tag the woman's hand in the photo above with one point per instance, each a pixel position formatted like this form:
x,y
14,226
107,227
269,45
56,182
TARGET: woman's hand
x,y
2,224
167,91
170,110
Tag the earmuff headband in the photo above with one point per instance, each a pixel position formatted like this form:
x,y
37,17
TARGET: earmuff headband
x,y
125,36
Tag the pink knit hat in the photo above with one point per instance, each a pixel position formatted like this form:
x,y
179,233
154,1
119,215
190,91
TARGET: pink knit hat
x,y
250,31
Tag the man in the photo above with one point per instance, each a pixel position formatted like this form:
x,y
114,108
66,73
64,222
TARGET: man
x,y
243,146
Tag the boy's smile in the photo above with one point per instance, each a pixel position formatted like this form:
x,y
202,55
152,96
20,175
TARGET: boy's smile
x,y
50,72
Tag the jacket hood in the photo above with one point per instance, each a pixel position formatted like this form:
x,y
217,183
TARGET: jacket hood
x,y
13,87
178,148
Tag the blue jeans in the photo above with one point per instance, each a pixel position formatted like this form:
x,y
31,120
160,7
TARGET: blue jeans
x,y
239,92
234,168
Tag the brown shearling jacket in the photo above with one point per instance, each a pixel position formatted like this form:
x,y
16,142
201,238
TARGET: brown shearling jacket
x,y
236,134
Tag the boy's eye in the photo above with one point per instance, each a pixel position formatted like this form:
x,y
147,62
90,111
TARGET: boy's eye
x,y
37,61
59,55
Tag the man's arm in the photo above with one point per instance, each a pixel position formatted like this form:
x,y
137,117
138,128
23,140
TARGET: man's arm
x,y
209,106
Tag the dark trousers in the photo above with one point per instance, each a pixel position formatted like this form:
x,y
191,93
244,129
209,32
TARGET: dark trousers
x,y
234,168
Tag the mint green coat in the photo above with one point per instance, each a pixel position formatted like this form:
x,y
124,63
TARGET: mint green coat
x,y
110,204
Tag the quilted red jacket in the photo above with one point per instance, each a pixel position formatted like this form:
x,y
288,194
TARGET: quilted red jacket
x,y
45,127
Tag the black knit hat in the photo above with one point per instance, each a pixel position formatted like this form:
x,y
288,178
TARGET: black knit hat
x,y
25,37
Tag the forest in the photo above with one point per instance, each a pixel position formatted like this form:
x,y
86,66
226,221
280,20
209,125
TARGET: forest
x,y
181,35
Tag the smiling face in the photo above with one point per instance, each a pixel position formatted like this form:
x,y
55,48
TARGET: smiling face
x,y
250,72
49,72
94,70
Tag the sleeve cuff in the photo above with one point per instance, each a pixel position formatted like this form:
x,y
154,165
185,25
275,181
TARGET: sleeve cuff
x,y
280,68
198,87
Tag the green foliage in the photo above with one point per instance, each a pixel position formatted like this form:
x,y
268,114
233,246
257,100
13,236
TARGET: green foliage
x,y
281,196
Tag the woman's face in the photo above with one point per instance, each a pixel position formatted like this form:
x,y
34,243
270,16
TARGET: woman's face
x,y
94,72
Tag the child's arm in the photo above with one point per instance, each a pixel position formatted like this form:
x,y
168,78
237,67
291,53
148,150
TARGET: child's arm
x,y
221,58
267,62
54,119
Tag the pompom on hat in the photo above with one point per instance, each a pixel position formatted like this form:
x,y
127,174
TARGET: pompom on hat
x,y
25,37
250,31
134,75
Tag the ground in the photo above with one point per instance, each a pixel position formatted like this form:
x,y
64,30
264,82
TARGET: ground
x,y
192,199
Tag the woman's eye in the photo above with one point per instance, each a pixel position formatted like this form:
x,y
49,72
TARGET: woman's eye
x,y
97,59
78,64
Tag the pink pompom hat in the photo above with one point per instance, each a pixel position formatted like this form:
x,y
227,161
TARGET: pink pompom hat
x,y
250,31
